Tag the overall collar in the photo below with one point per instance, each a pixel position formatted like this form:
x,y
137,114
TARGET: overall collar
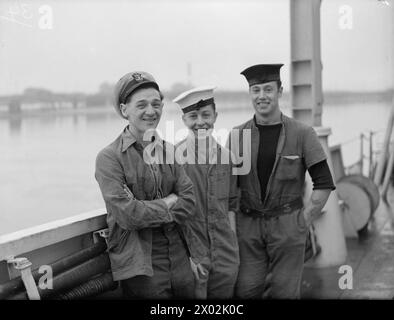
x,y
128,139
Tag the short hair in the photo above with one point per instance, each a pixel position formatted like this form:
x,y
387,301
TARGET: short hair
x,y
213,104
278,83
144,86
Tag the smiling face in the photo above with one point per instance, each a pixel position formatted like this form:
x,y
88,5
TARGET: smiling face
x,y
202,119
265,98
143,110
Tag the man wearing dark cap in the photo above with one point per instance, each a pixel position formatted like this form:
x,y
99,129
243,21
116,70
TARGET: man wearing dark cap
x,y
273,221
146,202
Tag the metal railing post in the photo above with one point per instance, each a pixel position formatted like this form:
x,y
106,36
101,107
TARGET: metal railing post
x,y
370,170
362,153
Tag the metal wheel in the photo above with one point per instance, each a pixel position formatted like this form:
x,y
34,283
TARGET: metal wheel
x,y
356,207
368,186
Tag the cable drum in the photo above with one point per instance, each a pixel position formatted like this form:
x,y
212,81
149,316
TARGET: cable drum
x,y
356,208
368,186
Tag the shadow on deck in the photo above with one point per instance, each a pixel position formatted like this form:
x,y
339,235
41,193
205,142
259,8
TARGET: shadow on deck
x,y
371,258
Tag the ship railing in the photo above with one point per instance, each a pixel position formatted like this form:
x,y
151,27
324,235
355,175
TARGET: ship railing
x,y
72,249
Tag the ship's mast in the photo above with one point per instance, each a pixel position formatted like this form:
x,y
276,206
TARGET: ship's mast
x,y
307,104
306,66
383,172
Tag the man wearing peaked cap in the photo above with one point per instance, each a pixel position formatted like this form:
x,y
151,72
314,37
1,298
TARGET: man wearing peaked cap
x,y
273,221
209,169
128,84
147,203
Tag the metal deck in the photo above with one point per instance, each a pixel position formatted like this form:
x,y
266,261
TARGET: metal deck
x,y
371,258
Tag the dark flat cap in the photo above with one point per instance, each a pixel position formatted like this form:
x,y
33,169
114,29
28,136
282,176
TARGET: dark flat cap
x,y
261,73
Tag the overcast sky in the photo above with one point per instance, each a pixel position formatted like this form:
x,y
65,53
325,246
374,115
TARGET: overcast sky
x,y
93,41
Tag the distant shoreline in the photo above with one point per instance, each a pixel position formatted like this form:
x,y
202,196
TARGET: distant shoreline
x,y
56,112
232,99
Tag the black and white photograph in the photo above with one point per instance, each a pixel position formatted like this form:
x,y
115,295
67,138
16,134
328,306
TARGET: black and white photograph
x,y
196,151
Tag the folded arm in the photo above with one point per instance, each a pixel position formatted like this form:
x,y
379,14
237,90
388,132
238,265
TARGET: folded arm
x,y
129,212
185,205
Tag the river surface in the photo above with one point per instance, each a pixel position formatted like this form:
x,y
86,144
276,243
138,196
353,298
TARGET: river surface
x,y
47,162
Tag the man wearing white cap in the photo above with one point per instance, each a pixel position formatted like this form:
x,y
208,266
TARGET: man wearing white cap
x,y
273,221
146,202
208,166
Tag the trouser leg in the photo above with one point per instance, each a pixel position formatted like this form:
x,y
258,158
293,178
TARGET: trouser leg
x,y
221,282
286,236
157,286
224,271
182,278
253,266
172,274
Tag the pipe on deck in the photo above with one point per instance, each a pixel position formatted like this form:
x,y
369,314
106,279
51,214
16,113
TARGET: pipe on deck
x,y
16,285
77,275
72,277
90,288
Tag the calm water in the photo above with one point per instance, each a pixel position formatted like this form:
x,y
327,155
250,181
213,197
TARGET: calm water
x,y
47,163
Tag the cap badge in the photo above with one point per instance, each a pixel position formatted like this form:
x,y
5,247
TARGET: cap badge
x,y
137,76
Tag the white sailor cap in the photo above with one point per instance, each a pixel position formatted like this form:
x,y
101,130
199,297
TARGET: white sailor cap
x,y
195,98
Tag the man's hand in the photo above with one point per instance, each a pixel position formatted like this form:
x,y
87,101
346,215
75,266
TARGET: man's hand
x,y
307,217
314,207
170,200
198,269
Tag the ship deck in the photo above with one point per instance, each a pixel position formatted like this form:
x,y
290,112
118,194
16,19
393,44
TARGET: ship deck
x,y
371,257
